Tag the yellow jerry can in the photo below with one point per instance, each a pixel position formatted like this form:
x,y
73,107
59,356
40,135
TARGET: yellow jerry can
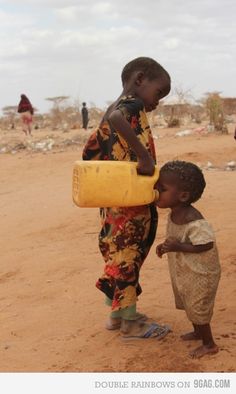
x,y
111,184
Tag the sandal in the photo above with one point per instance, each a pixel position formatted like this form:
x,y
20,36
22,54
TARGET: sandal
x,y
154,331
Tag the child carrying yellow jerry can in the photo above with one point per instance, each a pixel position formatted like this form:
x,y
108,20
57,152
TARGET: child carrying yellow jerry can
x,y
112,184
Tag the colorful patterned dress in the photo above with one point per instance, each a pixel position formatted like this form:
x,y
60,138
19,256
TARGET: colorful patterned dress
x,y
127,234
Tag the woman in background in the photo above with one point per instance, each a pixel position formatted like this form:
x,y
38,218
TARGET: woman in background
x,y
26,110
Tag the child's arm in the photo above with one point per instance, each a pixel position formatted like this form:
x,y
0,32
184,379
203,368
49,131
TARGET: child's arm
x,y
173,245
145,161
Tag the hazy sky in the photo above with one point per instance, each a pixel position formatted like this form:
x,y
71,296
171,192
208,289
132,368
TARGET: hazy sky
x,y
79,47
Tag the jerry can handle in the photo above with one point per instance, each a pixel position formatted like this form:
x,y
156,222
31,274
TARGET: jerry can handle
x,y
151,178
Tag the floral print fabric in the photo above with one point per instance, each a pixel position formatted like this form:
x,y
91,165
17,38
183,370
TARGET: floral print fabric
x,y
127,233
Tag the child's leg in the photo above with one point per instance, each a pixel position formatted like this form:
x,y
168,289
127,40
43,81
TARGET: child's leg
x,y
208,346
24,129
138,218
24,124
130,324
30,127
114,321
193,335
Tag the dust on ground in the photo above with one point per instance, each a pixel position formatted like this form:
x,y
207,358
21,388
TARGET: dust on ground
x,y
52,316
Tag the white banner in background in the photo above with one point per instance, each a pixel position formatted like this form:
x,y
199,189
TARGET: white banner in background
x,y
102,383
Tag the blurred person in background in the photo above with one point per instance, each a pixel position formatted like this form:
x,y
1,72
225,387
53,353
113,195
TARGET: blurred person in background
x,y
85,118
26,110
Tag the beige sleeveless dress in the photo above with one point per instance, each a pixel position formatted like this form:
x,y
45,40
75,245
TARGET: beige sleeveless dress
x,y
194,276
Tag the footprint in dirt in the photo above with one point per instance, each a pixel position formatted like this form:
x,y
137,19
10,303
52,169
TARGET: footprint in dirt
x,y
8,275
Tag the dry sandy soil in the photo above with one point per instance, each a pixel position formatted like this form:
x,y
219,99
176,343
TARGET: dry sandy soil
x,y
52,316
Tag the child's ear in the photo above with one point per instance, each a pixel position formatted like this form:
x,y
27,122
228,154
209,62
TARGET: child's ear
x,y
184,196
139,78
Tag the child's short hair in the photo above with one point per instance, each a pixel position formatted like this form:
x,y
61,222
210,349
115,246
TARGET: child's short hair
x,y
189,177
148,66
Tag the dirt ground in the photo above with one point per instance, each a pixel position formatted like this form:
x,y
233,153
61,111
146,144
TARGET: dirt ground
x,y
52,316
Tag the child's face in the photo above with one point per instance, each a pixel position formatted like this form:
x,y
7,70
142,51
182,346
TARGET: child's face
x,y
169,194
151,91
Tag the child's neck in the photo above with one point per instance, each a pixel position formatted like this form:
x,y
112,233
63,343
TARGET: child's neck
x,y
127,91
183,214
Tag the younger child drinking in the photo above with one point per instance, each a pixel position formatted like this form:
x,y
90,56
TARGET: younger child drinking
x,y
192,253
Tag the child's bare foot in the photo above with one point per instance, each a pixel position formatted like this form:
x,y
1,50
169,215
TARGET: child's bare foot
x,y
133,327
190,336
115,323
203,350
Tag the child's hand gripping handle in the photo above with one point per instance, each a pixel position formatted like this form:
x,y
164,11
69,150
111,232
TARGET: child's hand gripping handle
x,y
150,182
146,165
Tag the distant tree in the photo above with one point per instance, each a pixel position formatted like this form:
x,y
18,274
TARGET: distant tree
x,y
95,116
57,101
214,106
10,113
183,96
180,108
57,110
64,115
